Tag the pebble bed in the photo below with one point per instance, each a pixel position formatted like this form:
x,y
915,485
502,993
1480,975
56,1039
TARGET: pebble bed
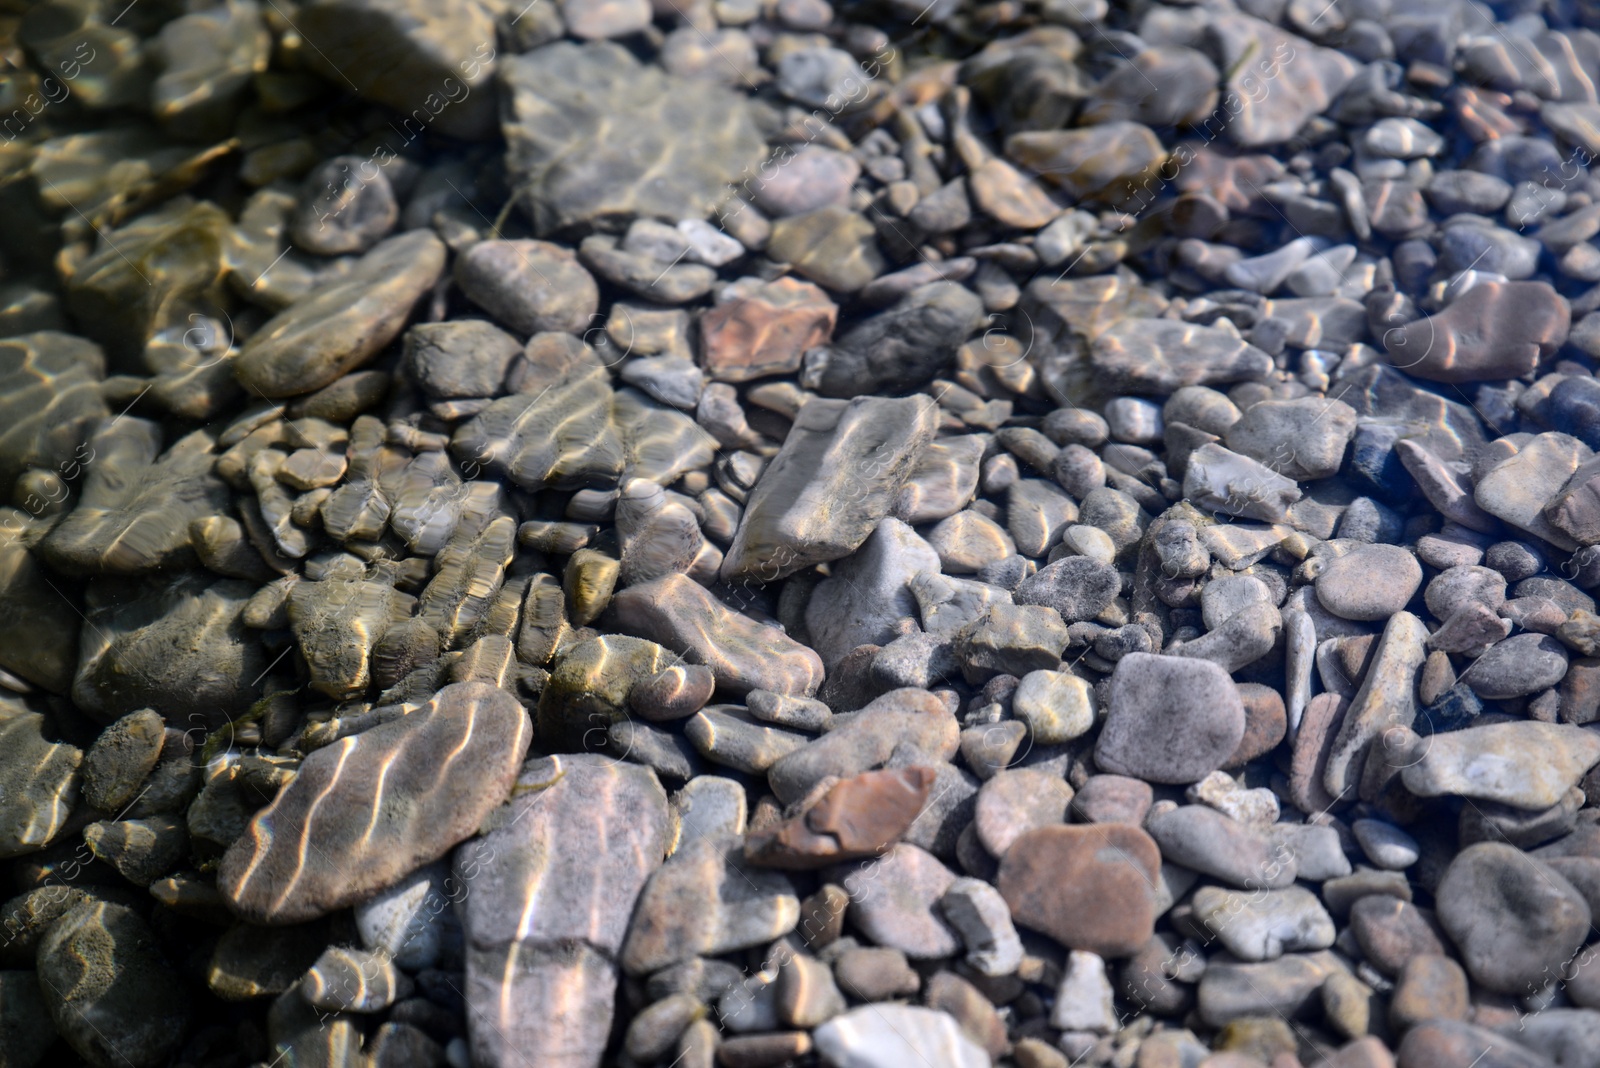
x,y
746,533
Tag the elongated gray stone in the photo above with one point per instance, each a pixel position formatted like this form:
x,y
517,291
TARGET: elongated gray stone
x,y
744,655
1386,700
373,806
548,895
840,471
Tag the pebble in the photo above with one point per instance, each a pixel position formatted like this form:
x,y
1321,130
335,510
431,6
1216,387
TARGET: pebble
x,y
1525,764
983,920
1017,800
121,758
883,1036
338,327
338,795
1211,843
1513,917
1371,582
1191,706
894,902
858,817
1091,888
824,457
1494,330
1084,1000
112,996
1057,707
1264,924
1385,845
743,655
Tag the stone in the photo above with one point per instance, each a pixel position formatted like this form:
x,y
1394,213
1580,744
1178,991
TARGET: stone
x,y
547,898
1518,488
559,118
141,850
1385,702
1011,640
1525,764
1016,800
856,455
354,980
1056,706
814,177
762,328
869,592
705,901
1455,1042
562,435
1385,845
1429,987
428,64
1516,667
1111,161
902,346
1275,80
1159,356
1077,587
1371,582
742,654
885,1036
1200,837
983,920
337,327
341,792
50,382
1263,924
112,995
894,901
1169,719
137,502
1091,888
832,246
1282,987
1514,918
38,782
1302,439
1220,480
530,286
121,758
25,1029
408,921
913,722
858,817
1494,330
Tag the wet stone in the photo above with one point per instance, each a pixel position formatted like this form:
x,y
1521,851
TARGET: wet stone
x,y
1512,915
1525,764
110,992
354,980
548,894
858,452
894,902
763,328
1015,801
38,782
341,791
1370,583
121,758
1063,880
1160,355
742,654
1495,330
559,123
833,247
336,328
1190,706
705,900
858,817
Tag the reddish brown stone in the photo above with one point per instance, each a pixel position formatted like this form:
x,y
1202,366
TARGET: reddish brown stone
x,y
1494,330
1235,181
858,817
1090,887
1430,987
765,329
1580,691
1391,932
1319,726
1265,723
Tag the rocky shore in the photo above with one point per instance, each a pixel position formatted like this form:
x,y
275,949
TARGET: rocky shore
x,y
743,533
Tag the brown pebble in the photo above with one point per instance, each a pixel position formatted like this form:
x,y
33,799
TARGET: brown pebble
x,y
1265,723
676,692
875,973
1313,744
763,1051
1391,931
1088,887
1437,676
950,993
1429,986
1113,799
